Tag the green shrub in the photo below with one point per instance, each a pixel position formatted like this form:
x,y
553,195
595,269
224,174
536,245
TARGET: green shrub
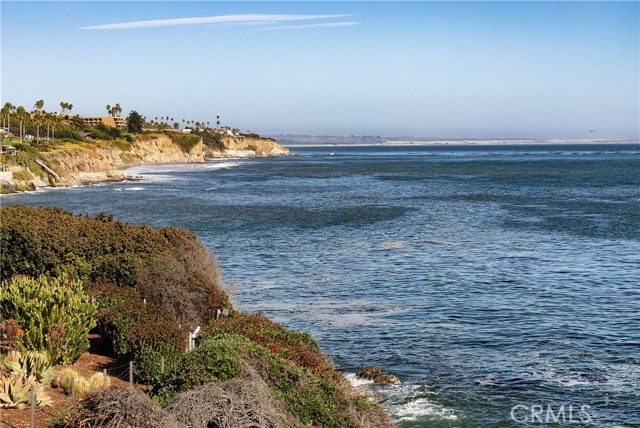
x,y
211,361
142,334
294,346
310,397
104,132
39,304
249,134
67,133
22,175
213,140
123,144
185,141
108,295
170,267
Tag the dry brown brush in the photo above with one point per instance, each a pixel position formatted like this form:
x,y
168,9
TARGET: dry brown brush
x,y
236,403
119,408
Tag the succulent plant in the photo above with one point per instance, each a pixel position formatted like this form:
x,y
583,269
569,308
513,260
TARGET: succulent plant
x,y
11,361
14,391
64,378
96,381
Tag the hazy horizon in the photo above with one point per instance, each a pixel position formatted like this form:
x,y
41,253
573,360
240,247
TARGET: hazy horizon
x,y
458,70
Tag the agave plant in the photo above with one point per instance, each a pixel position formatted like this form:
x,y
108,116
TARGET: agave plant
x,y
20,375
42,398
38,364
11,361
14,391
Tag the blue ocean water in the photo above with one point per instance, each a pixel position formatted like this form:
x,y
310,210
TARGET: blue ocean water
x,y
495,281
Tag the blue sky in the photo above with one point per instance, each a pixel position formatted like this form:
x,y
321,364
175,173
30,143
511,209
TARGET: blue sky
x,y
422,69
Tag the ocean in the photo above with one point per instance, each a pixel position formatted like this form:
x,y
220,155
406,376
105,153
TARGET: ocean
x,y
501,284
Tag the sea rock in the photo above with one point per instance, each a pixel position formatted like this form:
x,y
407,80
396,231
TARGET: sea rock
x,y
375,374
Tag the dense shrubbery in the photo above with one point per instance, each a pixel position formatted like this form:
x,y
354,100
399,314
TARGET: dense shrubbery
x,y
169,267
142,334
185,141
62,132
294,346
55,314
137,332
212,139
311,398
212,360
250,134
104,132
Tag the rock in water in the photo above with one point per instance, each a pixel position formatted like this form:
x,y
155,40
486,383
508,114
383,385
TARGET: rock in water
x,y
375,374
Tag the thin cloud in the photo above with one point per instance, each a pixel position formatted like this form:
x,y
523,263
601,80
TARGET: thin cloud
x,y
252,19
324,24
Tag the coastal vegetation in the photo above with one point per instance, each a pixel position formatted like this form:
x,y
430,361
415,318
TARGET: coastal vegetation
x,y
45,148
142,290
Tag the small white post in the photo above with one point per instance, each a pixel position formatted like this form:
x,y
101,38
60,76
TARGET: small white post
x,y
130,373
192,337
104,378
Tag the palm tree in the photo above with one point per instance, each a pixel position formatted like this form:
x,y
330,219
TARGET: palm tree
x,y
39,105
70,106
21,112
38,117
117,110
109,109
3,113
6,114
217,121
51,121
10,109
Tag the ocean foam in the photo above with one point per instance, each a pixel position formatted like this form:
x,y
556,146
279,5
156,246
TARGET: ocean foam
x,y
222,165
356,381
129,189
409,402
421,408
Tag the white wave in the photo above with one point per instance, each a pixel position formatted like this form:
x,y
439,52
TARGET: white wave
x,y
356,381
572,382
128,189
411,402
221,165
421,408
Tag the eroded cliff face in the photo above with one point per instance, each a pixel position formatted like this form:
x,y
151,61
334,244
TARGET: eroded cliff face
x,y
243,147
89,163
72,164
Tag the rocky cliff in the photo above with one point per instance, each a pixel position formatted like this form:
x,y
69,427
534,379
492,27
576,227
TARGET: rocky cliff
x,y
91,163
239,147
80,163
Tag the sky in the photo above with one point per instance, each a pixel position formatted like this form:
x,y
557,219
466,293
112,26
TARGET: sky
x,y
420,69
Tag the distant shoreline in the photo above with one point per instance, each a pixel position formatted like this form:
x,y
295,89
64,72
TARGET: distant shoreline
x,y
402,143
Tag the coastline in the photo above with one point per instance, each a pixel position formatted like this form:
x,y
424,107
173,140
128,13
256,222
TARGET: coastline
x,y
81,165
